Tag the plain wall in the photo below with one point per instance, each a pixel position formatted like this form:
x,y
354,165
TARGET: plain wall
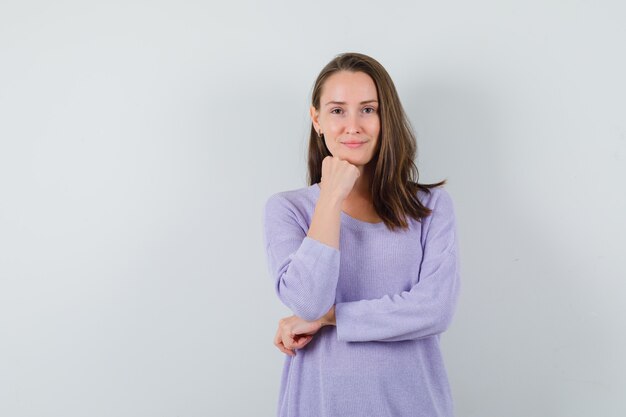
x,y
139,142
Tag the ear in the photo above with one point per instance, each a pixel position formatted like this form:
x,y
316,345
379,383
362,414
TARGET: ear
x,y
314,117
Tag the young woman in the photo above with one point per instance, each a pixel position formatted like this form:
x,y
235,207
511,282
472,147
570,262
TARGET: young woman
x,y
365,258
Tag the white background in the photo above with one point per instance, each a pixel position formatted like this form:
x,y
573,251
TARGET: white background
x,y
139,142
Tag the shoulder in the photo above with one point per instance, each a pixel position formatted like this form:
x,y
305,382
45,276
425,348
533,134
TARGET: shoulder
x,y
295,198
438,200
439,228
296,203
287,214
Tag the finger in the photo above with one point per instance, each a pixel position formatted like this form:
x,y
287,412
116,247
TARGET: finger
x,y
278,342
306,342
286,351
302,341
288,342
283,349
277,338
284,343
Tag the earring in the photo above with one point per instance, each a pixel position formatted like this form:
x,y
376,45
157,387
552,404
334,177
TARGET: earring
x,y
320,134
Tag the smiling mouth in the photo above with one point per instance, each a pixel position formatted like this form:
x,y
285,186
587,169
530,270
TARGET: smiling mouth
x,y
353,144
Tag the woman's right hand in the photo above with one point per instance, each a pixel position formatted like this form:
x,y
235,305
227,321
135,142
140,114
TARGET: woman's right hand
x,y
338,177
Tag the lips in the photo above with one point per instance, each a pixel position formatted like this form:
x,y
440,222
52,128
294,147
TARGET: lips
x,y
353,144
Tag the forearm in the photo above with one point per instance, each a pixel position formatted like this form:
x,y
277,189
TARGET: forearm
x,y
425,310
326,220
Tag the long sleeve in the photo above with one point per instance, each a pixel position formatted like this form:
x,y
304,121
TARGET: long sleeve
x,y
305,271
428,307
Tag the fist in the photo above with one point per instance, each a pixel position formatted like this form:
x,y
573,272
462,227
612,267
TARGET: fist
x,y
295,333
338,176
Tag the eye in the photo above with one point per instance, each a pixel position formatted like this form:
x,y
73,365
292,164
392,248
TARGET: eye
x,y
369,110
336,110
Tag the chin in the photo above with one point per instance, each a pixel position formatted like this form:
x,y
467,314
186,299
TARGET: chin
x,y
349,157
356,162
359,159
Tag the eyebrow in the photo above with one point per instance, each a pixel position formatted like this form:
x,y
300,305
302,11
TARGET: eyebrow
x,y
343,102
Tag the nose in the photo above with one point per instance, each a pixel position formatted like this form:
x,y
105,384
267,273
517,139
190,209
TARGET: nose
x,y
353,126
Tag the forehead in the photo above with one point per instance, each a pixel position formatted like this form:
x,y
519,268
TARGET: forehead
x,y
349,86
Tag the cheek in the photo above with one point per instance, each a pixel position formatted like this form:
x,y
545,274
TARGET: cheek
x,y
333,127
330,145
376,124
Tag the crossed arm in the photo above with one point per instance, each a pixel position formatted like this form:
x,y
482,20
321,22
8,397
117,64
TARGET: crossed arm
x,y
306,273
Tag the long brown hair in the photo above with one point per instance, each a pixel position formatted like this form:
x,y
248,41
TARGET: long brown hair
x,y
395,176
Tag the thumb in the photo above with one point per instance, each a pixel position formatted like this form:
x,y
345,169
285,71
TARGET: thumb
x,y
302,340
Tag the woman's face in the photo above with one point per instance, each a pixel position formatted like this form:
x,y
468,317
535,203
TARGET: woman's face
x,y
348,116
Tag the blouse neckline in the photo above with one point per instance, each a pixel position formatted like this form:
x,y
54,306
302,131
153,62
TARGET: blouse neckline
x,y
350,221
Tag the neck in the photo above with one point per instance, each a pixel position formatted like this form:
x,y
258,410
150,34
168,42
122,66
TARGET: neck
x,y
361,189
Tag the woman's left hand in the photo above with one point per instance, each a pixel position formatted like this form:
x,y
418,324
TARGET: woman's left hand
x,y
295,333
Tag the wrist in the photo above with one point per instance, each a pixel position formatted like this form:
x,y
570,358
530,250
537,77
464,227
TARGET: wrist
x,y
330,201
329,318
